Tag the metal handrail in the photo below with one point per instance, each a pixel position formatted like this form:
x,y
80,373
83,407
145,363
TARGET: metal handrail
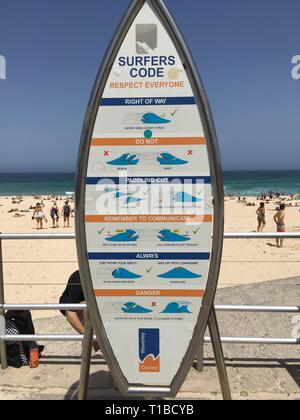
x,y
78,338
82,307
44,307
227,235
29,236
220,308
262,235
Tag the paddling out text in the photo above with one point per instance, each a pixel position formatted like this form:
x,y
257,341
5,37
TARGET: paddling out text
x,y
2,68
296,68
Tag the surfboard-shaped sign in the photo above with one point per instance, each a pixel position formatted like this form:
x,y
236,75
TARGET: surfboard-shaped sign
x,y
149,205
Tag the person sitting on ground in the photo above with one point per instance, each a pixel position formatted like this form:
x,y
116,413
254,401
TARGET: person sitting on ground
x,y
261,217
279,219
73,294
17,214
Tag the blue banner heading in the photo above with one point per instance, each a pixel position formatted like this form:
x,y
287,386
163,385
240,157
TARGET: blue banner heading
x,y
183,100
148,256
161,180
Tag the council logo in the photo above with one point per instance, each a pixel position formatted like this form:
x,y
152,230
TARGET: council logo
x,y
149,350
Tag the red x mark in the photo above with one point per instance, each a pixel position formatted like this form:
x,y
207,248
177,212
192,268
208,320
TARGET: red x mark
x,y
190,152
106,153
154,303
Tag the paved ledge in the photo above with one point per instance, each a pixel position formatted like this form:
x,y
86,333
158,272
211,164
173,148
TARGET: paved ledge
x,y
255,371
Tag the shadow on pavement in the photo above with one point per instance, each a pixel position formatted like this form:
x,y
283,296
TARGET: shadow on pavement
x,y
101,387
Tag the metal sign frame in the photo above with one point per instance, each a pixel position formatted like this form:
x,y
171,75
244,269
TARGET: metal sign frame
x,y
207,309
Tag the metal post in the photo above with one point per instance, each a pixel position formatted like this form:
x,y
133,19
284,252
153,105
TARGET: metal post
x,y
200,357
219,355
85,360
3,352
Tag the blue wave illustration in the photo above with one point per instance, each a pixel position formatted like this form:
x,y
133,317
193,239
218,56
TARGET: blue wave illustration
x,y
166,235
120,194
124,160
109,189
151,118
126,236
123,273
128,198
134,308
168,159
132,199
176,308
183,197
179,273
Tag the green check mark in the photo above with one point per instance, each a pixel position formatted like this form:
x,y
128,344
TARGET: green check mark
x,y
173,113
148,271
195,231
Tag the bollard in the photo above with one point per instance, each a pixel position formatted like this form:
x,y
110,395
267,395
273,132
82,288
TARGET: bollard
x,y
200,357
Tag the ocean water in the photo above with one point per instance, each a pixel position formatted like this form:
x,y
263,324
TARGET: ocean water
x,y
247,183
252,183
37,183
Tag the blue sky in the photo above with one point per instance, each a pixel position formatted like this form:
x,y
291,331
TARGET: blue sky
x,y
243,50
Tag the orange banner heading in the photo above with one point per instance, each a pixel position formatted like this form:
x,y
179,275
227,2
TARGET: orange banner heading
x,y
167,141
176,218
149,292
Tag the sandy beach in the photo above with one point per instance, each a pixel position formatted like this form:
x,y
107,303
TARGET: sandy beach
x,y
37,271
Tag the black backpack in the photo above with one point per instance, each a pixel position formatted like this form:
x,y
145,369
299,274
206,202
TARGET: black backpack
x,y
20,322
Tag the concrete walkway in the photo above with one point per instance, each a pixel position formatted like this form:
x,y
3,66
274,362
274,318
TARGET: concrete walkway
x,y
255,371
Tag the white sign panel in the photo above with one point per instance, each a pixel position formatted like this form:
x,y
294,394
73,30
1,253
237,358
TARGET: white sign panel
x,y
148,212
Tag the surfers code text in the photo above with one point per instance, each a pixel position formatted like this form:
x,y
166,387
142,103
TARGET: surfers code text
x,y
296,68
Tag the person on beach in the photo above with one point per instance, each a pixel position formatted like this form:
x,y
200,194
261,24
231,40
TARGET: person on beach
x,y
54,213
66,213
39,216
279,219
73,294
261,217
